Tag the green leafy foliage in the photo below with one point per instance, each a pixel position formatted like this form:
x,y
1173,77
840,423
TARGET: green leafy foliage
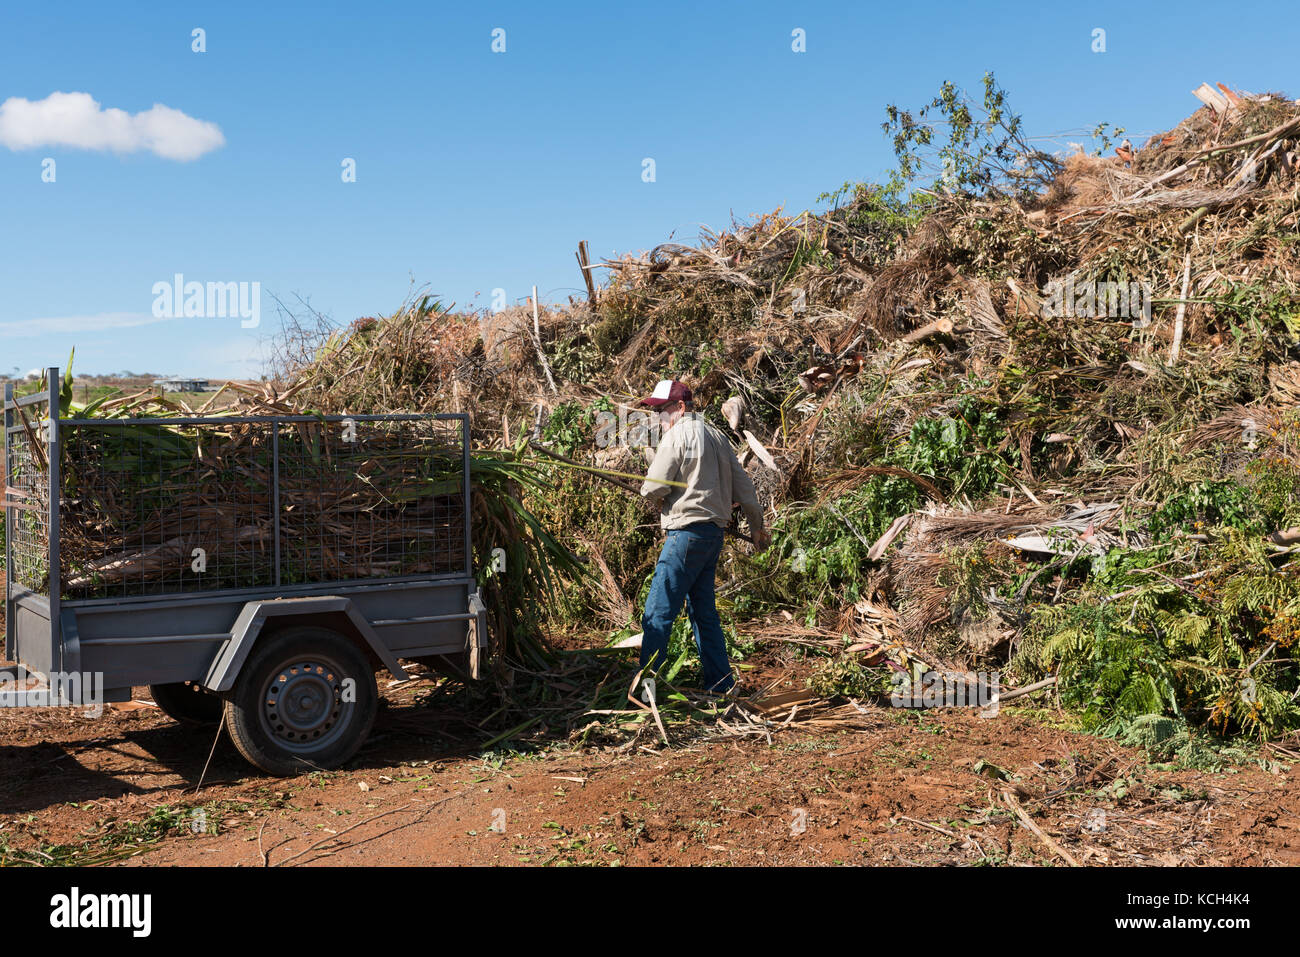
x,y
985,152
820,549
1147,634
537,563
569,425
1223,502
844,676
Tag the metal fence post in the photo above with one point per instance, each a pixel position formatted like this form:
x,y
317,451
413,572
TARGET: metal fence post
x,y
55,571
275,494
9,531
464,444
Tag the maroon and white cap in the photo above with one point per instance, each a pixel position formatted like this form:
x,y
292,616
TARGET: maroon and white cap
x,y
668,390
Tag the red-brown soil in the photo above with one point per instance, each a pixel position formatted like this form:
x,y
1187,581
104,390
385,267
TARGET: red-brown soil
x,y
900,788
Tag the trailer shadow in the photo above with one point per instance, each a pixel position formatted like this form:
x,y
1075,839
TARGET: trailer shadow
x,y
136,762
165,756
66,759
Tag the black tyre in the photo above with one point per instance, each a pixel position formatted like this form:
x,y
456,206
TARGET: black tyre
x,y
187,703
304,701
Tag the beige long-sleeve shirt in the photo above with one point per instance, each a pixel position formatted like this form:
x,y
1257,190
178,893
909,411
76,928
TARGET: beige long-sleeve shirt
x,y
695,452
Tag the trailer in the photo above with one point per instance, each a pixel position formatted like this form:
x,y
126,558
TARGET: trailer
x,y
256,570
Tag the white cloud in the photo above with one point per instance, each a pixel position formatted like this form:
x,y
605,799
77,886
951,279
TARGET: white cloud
x,y
77,120
100,322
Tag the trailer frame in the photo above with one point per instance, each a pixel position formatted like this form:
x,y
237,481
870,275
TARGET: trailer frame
x,y
199,636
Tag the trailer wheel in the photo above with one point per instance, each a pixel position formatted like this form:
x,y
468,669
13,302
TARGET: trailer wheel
x,y
187,702
304,700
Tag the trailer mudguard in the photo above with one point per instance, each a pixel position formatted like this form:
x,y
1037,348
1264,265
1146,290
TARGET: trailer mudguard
x,y
225,667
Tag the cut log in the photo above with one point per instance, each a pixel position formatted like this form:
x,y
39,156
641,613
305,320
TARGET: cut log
x,y
584,264
1211,98
940,327
1286,536
1188,224
1182,309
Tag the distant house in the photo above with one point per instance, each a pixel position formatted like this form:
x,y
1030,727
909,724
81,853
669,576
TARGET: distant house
x,y
182,385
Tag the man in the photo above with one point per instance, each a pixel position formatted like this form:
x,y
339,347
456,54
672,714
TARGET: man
x,y
693,452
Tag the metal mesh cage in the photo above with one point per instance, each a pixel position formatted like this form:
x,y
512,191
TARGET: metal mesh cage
x,y
371,499
29,495
159,509
189,505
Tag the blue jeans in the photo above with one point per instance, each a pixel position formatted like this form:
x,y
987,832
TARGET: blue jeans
x,y
685,572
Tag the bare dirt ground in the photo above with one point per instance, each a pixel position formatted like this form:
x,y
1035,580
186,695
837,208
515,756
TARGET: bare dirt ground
x,y
900,787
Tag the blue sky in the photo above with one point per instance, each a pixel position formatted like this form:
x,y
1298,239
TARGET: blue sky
x,y
479,170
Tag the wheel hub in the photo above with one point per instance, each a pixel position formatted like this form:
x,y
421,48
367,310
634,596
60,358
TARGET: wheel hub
x,y
302,707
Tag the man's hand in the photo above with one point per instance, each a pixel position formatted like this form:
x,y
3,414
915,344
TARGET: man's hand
x,y
762,539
